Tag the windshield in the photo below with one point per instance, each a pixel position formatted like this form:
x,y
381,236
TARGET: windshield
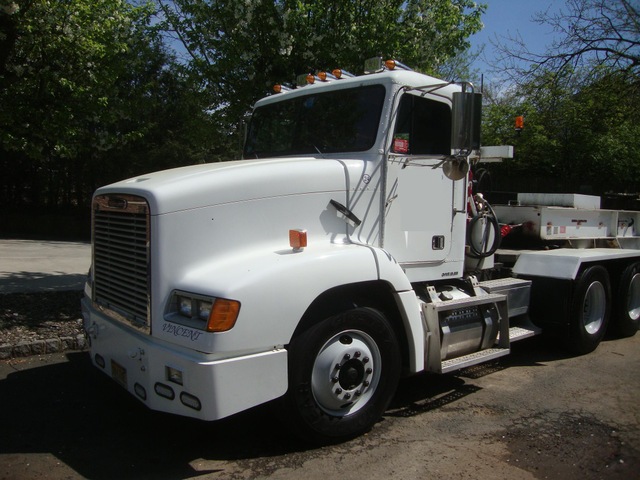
x,y
322,122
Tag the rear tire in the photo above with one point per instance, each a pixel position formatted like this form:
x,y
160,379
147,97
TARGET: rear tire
x,y
627,318
343,373
590,310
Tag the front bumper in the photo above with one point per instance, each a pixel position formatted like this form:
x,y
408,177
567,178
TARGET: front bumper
x,y
173,379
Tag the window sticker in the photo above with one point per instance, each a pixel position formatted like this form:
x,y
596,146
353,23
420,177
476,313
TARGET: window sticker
x,y
401,144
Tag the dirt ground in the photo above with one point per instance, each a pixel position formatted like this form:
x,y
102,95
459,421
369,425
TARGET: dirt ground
x,y
537,414
26,317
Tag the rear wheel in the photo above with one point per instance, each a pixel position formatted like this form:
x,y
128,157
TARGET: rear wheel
x,y
343,372
627,317
590,307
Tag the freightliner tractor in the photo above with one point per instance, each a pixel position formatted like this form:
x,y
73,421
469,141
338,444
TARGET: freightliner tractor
x,y
345,250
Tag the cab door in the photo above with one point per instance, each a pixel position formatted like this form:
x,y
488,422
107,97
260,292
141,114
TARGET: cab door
x,y
422,204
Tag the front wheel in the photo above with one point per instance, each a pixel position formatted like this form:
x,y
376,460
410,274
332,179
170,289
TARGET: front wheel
x,y
343,373
590,308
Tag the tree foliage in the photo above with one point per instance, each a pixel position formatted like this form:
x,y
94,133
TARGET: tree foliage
x,y
90,91
88,95
283,38
574,140
240,48
579,100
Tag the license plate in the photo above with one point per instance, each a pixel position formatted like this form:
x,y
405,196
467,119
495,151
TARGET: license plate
x,y
119,373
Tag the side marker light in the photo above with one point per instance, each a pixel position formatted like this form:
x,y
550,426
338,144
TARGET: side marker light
x,y
298,239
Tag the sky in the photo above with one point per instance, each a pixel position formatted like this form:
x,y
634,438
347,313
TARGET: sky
x,y
505,18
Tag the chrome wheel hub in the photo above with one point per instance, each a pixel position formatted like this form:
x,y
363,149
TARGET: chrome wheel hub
x,y
593,308
346,372
633,298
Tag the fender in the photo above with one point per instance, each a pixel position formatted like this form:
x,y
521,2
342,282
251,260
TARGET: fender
x,y
392,272
565,263
274,289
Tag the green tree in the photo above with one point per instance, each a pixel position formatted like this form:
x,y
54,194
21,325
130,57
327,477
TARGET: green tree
x,y
241,48
576,139
55,81
88,95
579,99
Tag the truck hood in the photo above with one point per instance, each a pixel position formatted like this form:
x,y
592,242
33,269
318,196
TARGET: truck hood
x,y
228,182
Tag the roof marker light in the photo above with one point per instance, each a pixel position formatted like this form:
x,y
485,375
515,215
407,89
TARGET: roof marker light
x,y
306,79
339,73
279,88
393,64
326,76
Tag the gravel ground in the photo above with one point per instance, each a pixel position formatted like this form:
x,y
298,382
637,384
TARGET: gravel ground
x,y
31,317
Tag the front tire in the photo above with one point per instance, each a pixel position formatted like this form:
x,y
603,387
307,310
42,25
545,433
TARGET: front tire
x,y
590,310
343,373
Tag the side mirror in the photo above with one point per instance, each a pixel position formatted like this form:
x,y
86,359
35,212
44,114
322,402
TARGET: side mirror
x,y
465,122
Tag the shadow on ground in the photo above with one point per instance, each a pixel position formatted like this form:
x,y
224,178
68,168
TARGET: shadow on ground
x,y
38,282
73,412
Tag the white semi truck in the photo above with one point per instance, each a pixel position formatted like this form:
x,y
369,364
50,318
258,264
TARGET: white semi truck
x,y
345,250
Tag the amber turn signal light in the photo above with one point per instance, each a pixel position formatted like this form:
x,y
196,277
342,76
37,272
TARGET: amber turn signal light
x,y
223,315
298,239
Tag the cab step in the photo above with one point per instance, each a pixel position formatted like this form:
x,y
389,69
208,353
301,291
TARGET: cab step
x,y
473,359
520,333
515,334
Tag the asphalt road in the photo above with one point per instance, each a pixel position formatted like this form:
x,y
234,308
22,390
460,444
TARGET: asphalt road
x,y
41,266
533,415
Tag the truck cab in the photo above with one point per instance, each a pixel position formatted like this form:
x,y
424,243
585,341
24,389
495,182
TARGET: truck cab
x,y
344,250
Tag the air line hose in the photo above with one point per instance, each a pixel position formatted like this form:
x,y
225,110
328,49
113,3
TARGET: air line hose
x,y
486,213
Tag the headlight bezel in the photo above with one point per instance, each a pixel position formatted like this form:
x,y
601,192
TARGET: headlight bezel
x,y
201,312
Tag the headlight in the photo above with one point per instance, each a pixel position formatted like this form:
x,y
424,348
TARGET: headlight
x,y
204,309
184,306
202,312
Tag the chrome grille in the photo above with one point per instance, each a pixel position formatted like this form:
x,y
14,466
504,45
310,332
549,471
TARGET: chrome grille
x,y
121,257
